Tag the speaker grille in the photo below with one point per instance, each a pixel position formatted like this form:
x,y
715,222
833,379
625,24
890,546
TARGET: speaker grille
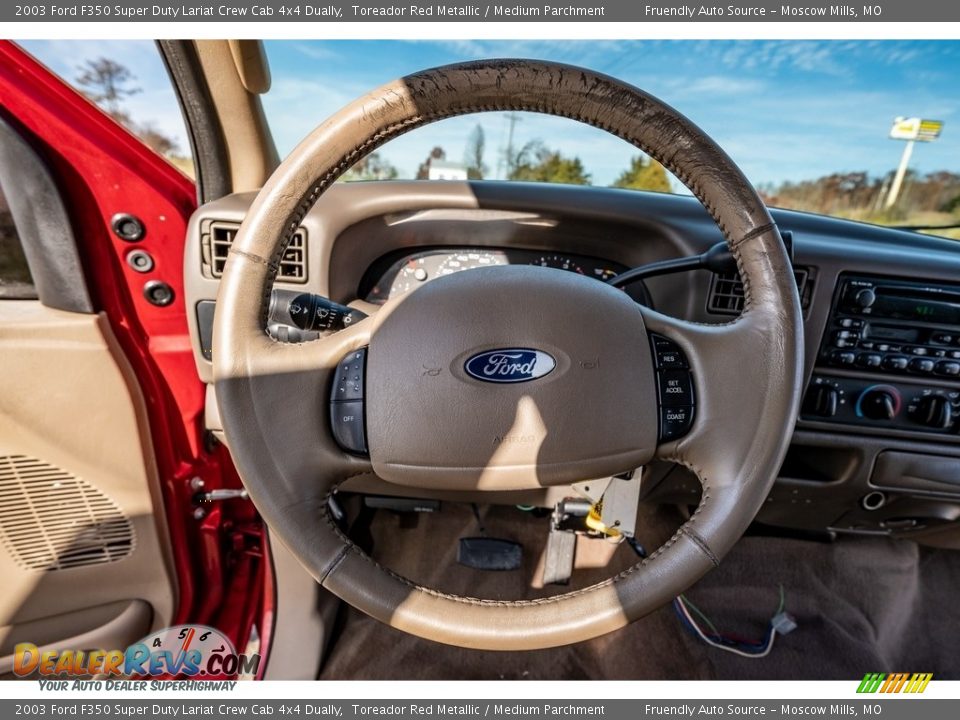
x,y
51,520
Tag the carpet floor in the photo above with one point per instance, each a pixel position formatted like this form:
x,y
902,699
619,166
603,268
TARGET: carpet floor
x,y
861,604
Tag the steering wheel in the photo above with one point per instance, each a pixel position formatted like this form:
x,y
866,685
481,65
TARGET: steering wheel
x,y
430,422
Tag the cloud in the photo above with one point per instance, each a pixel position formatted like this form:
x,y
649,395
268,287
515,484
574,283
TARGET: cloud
x,y
316,51
724,85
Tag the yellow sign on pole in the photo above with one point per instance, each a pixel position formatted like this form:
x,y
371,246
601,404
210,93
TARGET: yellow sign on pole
x,y
916,129
912,130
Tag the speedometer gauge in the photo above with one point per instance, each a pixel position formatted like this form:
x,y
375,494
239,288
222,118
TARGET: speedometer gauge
x,y
605,273
455,262
560,262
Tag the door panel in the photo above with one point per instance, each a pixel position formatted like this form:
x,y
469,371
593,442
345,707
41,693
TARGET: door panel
x,y
81,549
103,454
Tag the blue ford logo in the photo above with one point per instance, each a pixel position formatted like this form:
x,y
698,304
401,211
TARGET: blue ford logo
x,y
509,365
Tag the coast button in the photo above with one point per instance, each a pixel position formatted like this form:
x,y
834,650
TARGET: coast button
x,y
675,422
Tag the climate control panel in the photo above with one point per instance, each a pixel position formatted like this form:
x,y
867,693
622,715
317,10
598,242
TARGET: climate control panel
x,y
894,405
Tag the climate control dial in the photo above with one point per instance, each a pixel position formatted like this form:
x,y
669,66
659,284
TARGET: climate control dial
x,y
934,411
879,402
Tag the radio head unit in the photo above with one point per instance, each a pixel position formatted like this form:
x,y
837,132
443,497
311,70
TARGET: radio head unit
x,y
901,339
900,301
894,326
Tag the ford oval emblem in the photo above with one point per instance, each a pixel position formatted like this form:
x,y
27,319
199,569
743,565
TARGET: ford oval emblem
x,y
509,365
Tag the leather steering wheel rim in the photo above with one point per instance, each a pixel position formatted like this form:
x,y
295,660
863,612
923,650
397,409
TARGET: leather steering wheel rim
x,y
272,397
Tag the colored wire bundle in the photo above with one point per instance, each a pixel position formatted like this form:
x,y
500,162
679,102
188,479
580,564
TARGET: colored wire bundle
x,y
781,623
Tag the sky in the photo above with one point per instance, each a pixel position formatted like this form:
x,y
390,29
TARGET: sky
x,y
783,110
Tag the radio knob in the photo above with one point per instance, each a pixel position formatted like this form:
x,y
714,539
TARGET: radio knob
x,y
865,298
934,412
879,403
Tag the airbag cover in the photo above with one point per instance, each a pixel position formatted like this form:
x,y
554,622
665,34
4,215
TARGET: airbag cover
x,y
431,423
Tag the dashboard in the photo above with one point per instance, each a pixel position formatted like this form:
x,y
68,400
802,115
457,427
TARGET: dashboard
x,y
876,448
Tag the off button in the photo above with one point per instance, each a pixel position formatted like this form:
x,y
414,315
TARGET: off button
x,y
347,423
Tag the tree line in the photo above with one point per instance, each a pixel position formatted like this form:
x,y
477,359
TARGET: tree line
x,y
533,162
859,195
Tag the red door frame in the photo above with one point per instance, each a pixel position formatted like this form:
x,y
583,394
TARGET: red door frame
x,y
102,169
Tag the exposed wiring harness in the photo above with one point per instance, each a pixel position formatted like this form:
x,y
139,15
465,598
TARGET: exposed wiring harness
x,y
780,624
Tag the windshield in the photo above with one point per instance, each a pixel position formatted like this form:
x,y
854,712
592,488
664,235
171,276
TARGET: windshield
x,y
809,122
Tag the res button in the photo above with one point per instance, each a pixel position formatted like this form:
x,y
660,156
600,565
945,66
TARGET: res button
x,y
667,354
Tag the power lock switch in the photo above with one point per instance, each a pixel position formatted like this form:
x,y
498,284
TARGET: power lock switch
x,y
347,416
675,392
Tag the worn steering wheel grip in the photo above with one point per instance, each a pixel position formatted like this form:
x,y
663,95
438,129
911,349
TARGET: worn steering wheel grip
x,y
271,396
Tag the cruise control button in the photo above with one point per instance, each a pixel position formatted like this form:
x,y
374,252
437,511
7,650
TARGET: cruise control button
x,y
348,380
346,420
675,422
667,354
676,387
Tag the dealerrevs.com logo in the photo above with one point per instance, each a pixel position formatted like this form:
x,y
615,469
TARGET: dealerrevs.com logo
x,y
191,651
895,682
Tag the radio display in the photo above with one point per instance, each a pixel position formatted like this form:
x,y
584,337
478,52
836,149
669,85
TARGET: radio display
x,y
899,307
889,332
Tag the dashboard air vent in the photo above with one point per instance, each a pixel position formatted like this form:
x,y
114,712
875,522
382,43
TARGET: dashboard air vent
x,y
726,292
218,238
52,520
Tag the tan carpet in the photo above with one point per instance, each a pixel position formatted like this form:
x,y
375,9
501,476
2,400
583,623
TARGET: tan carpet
x,y
863,605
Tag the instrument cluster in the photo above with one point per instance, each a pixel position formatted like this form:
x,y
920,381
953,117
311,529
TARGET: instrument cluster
x,y
393,275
